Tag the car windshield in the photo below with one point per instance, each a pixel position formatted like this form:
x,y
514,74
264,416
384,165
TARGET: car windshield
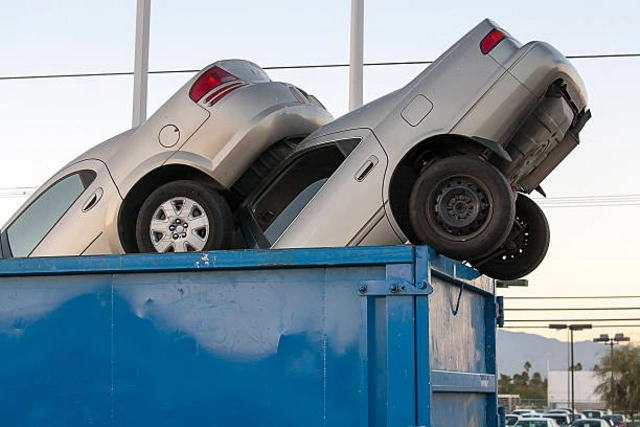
x,y
562,419
512,419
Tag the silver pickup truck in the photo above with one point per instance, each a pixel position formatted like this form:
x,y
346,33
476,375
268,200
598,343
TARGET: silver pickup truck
x,y
447,160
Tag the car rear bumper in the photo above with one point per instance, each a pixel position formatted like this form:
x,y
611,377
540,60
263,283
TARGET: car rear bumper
x,y
539,65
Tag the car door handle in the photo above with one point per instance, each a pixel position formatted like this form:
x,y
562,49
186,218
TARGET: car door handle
x,y
367,167
93,200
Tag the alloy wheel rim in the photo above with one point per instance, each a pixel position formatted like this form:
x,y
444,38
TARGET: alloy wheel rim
x,y
179,224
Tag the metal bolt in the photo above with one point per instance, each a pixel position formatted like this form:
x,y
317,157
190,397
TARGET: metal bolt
x,y
175,236
184,235
178,221
172,227
362,289
394,288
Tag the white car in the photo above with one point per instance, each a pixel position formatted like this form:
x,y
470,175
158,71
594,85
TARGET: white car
x,y
536,422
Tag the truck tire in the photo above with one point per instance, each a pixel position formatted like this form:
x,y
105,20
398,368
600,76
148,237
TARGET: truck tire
x,y
525,247
461,206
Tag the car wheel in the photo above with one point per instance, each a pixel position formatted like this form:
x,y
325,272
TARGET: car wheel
x,y
525,247
184,216
460,206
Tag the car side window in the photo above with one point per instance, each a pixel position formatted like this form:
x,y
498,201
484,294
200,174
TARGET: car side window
x,y
279,205
39,217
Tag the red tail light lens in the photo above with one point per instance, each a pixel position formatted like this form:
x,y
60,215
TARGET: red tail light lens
x,y
210,80
491,40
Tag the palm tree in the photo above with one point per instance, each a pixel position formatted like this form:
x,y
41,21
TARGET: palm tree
x,y
619,374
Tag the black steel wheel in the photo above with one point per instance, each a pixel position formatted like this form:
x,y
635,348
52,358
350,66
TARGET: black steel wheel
x,y
184,216
461,206
525,247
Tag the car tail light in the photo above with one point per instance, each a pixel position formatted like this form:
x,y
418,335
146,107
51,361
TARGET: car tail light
x,y
214,78
491,40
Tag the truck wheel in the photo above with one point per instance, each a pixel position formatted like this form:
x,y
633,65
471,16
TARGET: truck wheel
x,y
460,206
525,247
184,216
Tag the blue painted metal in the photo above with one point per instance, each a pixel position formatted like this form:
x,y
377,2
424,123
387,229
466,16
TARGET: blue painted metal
x,y
317,337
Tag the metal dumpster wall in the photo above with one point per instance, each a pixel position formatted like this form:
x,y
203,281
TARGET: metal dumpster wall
x,y
331,337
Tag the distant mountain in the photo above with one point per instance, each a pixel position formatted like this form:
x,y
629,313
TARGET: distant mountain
x,y
516,348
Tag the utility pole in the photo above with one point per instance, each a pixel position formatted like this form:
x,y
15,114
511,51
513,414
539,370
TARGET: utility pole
x,y
141,63
572,327
356,55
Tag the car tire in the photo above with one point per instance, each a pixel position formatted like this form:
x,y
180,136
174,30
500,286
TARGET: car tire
x,y
525,247
462,207
184,216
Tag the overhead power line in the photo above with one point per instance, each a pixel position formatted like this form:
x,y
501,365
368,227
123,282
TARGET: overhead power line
x,y
573,309
622,325
281,67
571,320
590,201
574,297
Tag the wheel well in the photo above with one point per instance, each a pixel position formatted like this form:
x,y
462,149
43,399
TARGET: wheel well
x,y
137,195
408,170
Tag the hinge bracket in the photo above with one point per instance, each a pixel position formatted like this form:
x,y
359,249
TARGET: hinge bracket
x,y
393,287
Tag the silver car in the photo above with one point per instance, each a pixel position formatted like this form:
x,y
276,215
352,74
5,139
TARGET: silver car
x,y
591,422
447,161
536,422
171,184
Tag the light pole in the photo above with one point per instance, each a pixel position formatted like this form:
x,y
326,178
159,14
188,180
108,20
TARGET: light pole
x,y
572,327
616,339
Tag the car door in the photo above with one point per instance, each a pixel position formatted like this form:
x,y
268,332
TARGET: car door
x,y
66,216
329,194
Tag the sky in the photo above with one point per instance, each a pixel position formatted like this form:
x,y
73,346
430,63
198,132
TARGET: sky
x,y
594,249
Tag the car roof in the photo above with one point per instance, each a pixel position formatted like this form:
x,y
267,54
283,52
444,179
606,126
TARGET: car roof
x,y
596,422
534,422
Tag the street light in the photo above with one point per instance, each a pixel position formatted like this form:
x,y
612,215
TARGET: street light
x,y
616,339
572,327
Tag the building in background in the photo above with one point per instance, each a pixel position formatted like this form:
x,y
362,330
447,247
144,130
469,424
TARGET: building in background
x,y
585,382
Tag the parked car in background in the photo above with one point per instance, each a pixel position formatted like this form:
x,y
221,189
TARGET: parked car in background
x,y
593,413
562,418
577,416
536,422
524,411
591,422
559,411
171,184
511,419
447,160
617,420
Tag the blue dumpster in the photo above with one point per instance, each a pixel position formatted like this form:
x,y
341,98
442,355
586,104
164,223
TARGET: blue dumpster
x,y
366,336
